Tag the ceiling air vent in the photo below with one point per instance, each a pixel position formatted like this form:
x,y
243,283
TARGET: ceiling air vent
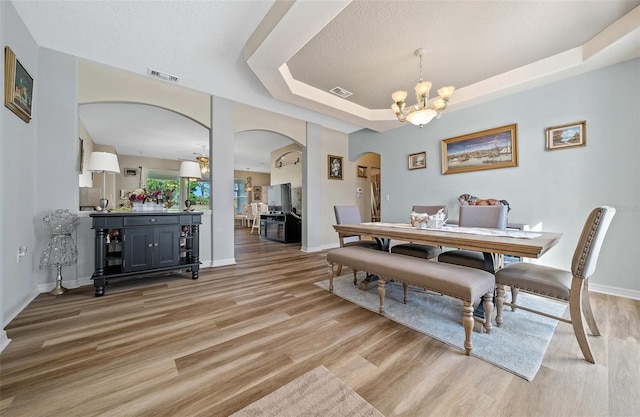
x,y
162,75
340,92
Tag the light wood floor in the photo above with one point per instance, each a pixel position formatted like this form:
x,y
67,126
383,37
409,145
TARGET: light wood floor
x,y
172,346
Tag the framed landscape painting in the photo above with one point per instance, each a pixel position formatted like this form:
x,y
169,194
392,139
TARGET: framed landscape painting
x,y
488,149
418,160
18,86
566,136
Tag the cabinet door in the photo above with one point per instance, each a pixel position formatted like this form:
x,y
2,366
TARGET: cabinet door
x,y
138,248
167,250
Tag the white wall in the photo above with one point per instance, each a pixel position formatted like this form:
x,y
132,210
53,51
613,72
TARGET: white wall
x,y
554,189
289,173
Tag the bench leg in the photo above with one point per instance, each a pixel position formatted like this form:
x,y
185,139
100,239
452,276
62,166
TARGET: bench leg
x,y
499,305
381,292
487,303
330,276
405,287
355,281
467,322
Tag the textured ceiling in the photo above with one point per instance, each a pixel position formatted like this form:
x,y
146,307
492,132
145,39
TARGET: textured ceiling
x,y
368,48
284,59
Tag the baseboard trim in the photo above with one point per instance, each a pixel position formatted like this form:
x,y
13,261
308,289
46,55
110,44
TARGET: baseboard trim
x,y
618,292
12,314
224,262
4,340
320,248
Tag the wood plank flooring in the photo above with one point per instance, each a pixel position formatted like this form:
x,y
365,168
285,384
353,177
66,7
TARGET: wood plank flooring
x,y
171,346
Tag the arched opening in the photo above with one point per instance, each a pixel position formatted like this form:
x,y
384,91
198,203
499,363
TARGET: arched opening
x,y
368,186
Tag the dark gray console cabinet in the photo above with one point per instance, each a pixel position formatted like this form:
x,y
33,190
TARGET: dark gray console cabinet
x,y
130,244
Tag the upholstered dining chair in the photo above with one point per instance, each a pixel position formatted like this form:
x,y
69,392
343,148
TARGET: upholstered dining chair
x,y
493,217
415,249
351,215
569,286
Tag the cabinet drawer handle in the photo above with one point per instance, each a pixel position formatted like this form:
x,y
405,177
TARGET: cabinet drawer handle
x,y
150,245
152,220
155,244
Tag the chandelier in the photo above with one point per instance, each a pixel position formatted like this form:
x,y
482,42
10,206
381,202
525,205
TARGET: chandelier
x,y
203,160
421,113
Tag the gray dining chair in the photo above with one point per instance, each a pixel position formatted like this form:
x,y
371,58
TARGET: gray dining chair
x,y
558,284
493,217
419,250
351,215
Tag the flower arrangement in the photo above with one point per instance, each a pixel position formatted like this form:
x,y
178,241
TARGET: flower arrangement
x,y
141,195
168,198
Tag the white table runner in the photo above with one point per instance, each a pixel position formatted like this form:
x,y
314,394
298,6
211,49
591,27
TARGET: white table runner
x,y
518,234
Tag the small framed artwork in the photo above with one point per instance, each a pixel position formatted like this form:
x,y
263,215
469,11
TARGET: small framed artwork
x,y
81,156
487,149
418,160
18,86
566,136
130,172
334,167
257,196
257,189
362,171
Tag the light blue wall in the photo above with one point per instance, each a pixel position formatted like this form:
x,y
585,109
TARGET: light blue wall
x,y
18,201
555,188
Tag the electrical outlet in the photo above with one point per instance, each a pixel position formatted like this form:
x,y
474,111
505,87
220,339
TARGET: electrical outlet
x,y
22,251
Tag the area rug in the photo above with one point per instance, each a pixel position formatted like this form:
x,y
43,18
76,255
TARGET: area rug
x,y
518,346
318,393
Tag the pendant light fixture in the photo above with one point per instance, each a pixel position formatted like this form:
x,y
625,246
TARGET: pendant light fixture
x,y
421,113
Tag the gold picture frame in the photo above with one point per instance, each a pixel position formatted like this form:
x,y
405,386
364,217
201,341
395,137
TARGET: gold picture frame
x,y
418,160
566,136
335,167
18,86
488,149
362,171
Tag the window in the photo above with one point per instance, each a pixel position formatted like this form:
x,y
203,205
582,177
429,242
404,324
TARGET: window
x,y
239,194
199,192
169,183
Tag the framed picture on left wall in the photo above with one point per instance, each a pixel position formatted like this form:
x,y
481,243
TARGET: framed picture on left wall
x,y
18,86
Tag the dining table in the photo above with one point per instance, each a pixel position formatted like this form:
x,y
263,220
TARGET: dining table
x,y
493,243
526,244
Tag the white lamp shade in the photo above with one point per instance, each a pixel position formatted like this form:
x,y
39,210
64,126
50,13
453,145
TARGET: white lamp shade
x,y
103,162
399,96
446,92
190,169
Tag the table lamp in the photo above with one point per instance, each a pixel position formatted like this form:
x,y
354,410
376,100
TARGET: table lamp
x,y
104,162
188,170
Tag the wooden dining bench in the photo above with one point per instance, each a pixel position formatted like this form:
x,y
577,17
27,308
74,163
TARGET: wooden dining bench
x,y
466,284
